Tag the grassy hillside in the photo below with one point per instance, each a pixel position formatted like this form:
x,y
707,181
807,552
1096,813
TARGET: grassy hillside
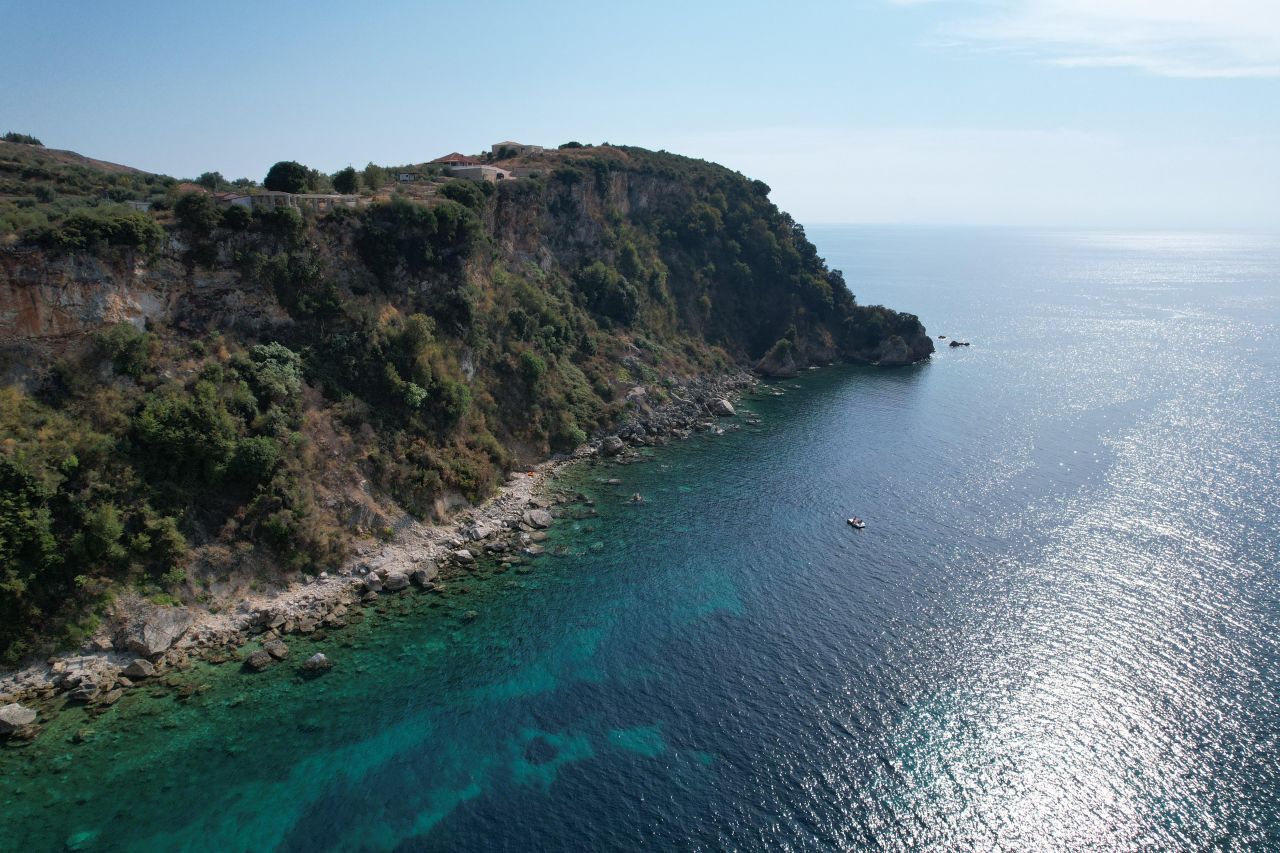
x,y
399,357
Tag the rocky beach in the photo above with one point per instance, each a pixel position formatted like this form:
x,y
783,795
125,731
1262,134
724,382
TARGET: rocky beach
x,y
145,642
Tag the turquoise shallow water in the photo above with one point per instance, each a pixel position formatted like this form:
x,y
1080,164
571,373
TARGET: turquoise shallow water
x,y
1058,631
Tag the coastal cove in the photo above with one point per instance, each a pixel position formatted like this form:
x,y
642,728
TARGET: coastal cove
x,y
1059,626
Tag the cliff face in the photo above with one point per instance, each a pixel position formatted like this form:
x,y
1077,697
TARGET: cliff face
x,y
218,399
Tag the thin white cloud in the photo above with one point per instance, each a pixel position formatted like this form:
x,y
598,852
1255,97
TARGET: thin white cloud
x,y
1174,38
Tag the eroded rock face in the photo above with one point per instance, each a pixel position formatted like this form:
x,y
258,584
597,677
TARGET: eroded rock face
x,y
895,350
15,717
154,631
779,365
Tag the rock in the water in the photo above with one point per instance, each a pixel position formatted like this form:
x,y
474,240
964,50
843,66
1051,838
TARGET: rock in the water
x,y
395,581
140,668
86,692
111,696
611,446
258,661
15,717
276,648
155,631
317,664
538,518
722,408
425,574
470,616
462,555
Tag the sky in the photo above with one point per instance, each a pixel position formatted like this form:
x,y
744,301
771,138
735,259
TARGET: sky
x,y
1058,113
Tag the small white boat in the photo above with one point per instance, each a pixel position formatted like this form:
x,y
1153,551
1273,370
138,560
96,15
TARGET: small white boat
x,y
857,523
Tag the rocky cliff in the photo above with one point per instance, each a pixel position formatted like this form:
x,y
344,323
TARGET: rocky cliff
x,y
197,400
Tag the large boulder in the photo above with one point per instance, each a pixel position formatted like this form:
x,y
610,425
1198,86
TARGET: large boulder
x,y
537,518
15,718
395,581
276,648
425,574
140,668
86,691
611,446
154,631
721,407
462,555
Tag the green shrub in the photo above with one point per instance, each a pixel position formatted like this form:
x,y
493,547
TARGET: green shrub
x,y
237,217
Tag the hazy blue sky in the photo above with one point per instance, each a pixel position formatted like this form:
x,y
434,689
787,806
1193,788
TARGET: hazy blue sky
x,y
1161,113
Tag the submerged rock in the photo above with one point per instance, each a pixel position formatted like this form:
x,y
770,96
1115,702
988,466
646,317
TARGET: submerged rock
x,y
258,661
316,664
276,648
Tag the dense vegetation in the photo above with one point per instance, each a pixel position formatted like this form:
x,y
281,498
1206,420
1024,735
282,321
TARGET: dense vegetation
x,y
430,344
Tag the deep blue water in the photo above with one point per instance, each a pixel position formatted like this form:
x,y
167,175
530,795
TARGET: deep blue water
x,y
1058,631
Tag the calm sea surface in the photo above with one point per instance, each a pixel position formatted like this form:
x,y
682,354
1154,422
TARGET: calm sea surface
x,y
1060,629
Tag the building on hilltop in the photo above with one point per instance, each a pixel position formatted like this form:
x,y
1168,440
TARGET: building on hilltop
x,y
480,173
503,150
456,159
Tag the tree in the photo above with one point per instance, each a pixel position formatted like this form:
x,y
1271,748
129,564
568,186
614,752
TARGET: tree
x,y
288,176
211,180
22,139
374,176
346,181
197,213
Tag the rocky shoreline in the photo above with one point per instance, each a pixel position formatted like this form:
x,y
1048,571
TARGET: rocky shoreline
x,y
509,527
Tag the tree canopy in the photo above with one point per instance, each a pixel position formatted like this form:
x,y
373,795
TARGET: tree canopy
x,y
288,176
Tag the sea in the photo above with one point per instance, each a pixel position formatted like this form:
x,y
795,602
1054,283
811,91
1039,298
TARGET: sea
x,y
1059,630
